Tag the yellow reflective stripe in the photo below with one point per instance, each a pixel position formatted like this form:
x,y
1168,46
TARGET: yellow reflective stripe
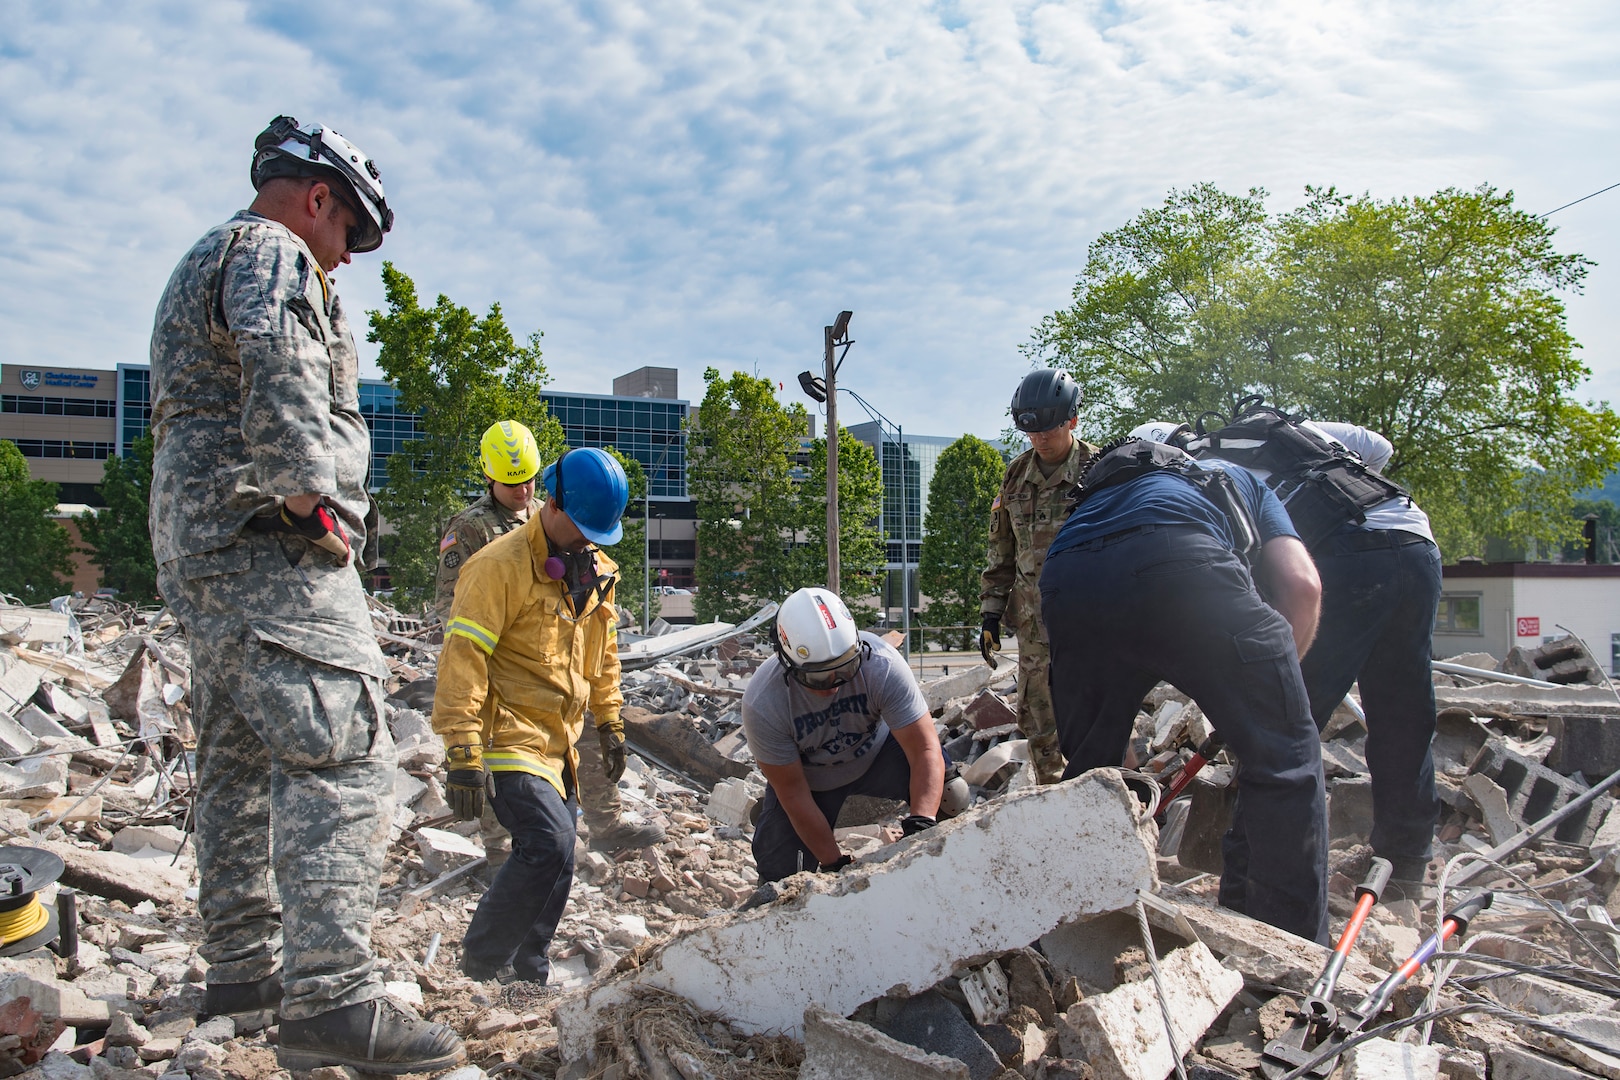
x,y
485,639
517,761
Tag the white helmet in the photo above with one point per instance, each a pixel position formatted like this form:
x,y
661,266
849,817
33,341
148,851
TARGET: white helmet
x,y
1162,431
287,149
816,639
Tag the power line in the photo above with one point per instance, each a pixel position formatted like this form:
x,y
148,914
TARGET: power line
x,y
1582,199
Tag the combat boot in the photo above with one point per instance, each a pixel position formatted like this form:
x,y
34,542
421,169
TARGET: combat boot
x,y
252,1005
375,1036
624,834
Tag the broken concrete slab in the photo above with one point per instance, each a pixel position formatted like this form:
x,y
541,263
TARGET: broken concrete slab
x,y
731,802
1350,807
1535,791
1585,743
443,851
839,1049
1509,1062
1506,700
846,939
41,724
1122,1033
1602,1028
55,1000
40,777
15,739
938,692
672,740
989,709
133,838
1492,803
1261,952
117,877
1385,1059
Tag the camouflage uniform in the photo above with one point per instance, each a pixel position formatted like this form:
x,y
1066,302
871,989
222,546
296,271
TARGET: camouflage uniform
x,y
1028,512
255,397
469,531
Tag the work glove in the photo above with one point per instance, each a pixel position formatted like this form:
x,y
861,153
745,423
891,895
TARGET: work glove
x,y
321,528
841,862
916,823
990,638
464,781
613,755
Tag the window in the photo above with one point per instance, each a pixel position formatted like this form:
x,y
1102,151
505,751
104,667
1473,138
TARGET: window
x,y
58,448
1458,614
1614,654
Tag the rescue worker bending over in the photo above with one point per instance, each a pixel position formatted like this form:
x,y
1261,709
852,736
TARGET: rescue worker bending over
x,y
818,718
510,458
1026,515
1381,585
1150,579
532,641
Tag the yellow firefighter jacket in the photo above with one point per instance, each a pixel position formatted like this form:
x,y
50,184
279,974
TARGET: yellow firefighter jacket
x,y
519,666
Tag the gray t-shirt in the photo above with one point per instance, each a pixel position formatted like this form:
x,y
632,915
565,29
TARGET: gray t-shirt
x,y
834,736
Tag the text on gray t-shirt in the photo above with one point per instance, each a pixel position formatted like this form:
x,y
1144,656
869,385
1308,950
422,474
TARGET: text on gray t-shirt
x,y
834,736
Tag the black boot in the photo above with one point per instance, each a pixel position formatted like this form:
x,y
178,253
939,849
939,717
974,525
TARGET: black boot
x,y
371,1036
253,1005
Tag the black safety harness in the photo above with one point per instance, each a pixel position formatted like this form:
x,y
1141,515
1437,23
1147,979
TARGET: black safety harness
x,y
1126,459
1324,485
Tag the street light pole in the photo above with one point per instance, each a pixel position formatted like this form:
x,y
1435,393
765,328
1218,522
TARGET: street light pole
x,y
831,376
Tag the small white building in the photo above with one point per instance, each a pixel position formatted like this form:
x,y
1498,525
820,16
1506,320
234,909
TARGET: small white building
x,y
1491,607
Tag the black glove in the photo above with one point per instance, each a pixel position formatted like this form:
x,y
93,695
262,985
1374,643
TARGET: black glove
x,y
990,638
916,823
464,780
833,867
321,528
613,756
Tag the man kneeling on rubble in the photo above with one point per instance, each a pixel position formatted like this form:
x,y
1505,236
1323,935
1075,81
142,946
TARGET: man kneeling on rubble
x,y
817,717
532,640
1154,576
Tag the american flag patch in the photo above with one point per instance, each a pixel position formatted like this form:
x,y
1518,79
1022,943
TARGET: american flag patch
x,y
994,506
448,542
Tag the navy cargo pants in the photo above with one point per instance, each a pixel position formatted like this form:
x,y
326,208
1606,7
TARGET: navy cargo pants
x,y
1172,603
1380,589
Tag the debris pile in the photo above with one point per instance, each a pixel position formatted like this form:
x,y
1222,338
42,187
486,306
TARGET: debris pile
x,y
1053,933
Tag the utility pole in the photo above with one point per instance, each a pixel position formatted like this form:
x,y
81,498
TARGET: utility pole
x,y
831,376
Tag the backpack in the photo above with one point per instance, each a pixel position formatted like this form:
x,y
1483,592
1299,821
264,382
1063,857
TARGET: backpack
x,y
1323,485
1126,459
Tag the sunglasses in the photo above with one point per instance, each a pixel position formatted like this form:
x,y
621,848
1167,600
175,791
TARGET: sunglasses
x,y
829,678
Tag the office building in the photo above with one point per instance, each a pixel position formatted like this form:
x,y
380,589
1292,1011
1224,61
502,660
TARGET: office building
x,y
908,471
68,421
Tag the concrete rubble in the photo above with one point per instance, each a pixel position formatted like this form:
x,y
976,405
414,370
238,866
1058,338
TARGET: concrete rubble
x,y
1002,944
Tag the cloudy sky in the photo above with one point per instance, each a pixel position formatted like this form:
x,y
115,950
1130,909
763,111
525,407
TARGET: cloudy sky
x,y
692,184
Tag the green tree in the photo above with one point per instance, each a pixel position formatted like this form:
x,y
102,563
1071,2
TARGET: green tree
x,y
459,374
119,537
956,535
861,553
1432,320
741,447
37,556
631,551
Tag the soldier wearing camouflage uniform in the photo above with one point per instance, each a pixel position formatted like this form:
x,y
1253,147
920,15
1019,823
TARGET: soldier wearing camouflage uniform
x,y
510,458
1027,513
259,517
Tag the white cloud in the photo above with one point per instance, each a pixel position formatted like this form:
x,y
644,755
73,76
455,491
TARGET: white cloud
x,y
689,183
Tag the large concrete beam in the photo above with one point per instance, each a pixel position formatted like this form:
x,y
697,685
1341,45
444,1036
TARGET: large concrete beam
x,y
994,879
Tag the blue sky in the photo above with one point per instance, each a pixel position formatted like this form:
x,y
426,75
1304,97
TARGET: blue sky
x,y
691,184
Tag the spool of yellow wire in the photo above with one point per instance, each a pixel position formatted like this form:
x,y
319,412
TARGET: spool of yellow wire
x,y
22,922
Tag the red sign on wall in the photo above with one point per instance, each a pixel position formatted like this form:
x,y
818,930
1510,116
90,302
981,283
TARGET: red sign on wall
x,y
1528,626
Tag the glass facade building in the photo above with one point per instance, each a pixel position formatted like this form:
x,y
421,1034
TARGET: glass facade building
x,y
651,430
908,470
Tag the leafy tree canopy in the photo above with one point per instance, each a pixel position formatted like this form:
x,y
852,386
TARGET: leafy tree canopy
x,y
956,534
119,538
1432,320
742,443
459,374
37,558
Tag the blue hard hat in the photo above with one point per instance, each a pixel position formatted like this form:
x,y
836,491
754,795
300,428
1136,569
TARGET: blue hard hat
x,y
592,492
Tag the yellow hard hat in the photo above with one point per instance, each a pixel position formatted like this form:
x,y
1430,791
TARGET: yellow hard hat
x,y
508,453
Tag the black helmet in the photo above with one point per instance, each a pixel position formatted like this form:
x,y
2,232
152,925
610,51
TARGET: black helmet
x,y
1046,398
